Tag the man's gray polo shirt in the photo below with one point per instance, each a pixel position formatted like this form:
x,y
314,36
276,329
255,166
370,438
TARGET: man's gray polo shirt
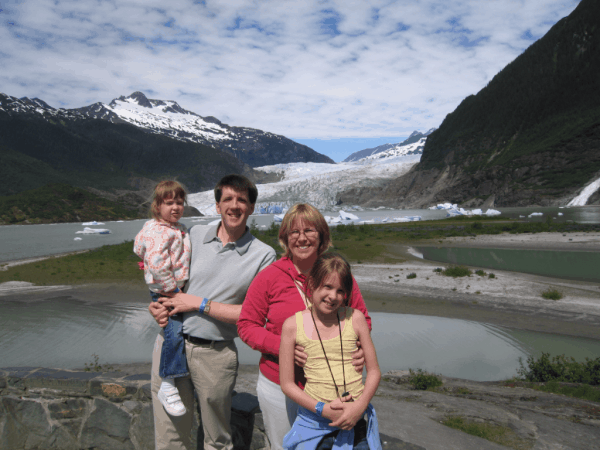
x,y
221,273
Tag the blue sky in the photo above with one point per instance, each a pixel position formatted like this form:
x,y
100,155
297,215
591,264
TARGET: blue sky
x,y
339,74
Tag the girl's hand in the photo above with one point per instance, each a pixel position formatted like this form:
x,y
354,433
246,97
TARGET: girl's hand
x,y
338,402
333,414
180,302
160,313
358,358
352,412
334,410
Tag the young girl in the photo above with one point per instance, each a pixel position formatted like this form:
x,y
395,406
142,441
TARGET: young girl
x,y
164,246
334,395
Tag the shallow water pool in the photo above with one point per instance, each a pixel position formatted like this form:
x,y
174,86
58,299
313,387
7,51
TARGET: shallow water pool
x,y
65,333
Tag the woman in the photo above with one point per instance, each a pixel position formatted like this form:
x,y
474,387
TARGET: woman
x,y
276,294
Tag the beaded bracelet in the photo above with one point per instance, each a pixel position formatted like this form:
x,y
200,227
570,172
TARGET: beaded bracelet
x,y
319,408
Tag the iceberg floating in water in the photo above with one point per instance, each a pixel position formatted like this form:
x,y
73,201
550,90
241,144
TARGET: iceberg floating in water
x,y
77,239
492,212
92,223
536,214
348,216
407,219
445,206
88,230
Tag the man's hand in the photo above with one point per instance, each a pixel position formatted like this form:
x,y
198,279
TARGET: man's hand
x,y
160,313
180,302
299,356
358,358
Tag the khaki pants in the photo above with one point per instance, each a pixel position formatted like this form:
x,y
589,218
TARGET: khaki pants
x,y
213,372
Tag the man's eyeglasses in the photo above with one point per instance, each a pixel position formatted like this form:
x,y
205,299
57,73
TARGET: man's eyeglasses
x,y
308,232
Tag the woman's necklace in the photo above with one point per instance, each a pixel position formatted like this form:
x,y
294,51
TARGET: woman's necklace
x,y
325,354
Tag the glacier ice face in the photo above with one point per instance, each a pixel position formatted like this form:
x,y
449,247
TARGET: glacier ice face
x,y
315,183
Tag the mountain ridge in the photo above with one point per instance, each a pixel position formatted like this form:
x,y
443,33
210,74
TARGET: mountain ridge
x,y
414,137
530,137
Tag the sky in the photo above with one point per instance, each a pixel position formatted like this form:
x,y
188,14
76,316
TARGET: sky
x,y
339,76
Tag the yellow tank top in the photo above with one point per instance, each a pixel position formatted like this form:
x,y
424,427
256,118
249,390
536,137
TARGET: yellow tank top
x,y
319,384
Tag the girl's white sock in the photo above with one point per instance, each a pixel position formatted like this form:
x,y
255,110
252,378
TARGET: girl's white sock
x,y
168,384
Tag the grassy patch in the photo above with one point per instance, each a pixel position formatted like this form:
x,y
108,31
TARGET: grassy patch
x,y
422,381
552,294
105,264
480,272
495,433
583,391
457,271
411,275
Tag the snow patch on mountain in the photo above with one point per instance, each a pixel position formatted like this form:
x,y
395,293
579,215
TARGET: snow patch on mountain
x,y
400,150
168,116
412,145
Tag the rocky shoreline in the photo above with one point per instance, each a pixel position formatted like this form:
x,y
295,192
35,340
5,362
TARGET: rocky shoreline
x,y
54,408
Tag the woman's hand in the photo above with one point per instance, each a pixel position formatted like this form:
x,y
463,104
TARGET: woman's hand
x,y
180,302
358,358
299,356
160,313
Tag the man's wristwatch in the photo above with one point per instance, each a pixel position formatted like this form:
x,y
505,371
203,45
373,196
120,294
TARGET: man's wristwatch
x,y
207,308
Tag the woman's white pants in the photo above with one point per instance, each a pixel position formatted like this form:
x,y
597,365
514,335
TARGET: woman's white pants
x,y
279,412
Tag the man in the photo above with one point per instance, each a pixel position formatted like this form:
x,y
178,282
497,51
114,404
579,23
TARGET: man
x,y
225,259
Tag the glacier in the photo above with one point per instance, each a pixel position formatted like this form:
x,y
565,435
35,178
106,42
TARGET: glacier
x,y
315,183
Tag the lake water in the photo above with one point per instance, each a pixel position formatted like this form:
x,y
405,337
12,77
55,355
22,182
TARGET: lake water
x,y
576,265
29,241
65,333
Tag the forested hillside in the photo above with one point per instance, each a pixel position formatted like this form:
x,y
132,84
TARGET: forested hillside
x,y
99,154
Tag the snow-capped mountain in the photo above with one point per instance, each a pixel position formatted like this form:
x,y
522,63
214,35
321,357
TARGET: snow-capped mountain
x,y
413,145
317,183
252,146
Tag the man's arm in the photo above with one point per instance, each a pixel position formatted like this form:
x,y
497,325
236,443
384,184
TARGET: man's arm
x,y
181,303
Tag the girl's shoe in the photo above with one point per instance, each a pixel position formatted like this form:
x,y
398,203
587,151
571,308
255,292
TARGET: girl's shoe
x,y
170,399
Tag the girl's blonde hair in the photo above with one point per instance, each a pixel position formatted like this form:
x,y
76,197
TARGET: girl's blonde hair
x,y
326,265
167,189
310,215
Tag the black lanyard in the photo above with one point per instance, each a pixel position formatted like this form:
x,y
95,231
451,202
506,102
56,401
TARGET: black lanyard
x,y
325,354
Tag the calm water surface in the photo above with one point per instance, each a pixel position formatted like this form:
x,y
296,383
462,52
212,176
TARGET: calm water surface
x,y
65,333
577,265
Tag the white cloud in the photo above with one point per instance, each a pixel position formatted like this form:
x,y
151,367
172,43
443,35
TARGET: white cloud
x,y
311,69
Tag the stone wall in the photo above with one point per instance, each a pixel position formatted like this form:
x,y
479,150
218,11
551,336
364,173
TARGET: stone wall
x,y
68,409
